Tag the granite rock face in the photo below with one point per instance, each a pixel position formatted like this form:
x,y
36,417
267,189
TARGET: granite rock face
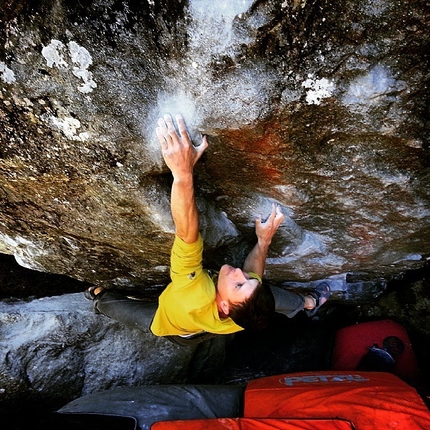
x,y
319,106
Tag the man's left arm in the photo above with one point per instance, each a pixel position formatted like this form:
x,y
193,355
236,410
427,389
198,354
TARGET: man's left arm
x,y
256,260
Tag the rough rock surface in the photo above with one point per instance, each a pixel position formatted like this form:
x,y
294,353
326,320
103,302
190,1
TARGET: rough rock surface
x,y
55,349
320,106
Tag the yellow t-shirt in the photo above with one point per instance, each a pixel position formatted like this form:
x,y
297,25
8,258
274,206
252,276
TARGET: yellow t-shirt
x,y
187,306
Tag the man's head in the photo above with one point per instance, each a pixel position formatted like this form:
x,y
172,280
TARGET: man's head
x,y
244,299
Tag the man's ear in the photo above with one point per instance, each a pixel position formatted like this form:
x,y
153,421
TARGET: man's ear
x,y
225,308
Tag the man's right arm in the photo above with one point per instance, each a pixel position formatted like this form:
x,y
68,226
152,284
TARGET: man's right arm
x,y
181,155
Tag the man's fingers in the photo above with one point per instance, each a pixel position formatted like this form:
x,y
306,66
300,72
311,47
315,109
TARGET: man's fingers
x,y
183,132
160,136
161,130
272,214
162,124
258,220
163,135
279,216
202,147
170,127
279,213
276,216
168,136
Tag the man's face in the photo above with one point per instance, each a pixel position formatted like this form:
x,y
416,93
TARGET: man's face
x,y
234,286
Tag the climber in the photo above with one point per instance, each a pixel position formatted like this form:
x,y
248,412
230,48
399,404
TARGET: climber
x,y
199,304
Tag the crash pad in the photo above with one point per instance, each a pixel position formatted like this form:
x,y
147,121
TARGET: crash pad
x,y
149,404
253,424
370,400
352,343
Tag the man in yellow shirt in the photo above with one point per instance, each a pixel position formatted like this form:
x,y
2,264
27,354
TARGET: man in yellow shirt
x,y
197,304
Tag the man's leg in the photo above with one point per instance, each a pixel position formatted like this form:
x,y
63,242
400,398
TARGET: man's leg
x,y
287,302
290,304
132,313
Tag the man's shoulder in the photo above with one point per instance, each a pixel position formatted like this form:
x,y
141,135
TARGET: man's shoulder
x,y
195,281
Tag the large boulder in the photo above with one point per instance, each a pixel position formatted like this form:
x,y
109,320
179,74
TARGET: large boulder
x,y
55,349
320,106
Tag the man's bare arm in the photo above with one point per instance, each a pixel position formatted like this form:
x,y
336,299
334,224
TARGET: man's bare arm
x,y
256,260
181,155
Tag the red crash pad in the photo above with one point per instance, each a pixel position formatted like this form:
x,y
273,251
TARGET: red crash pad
x,y
370,400
351,345
253,424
